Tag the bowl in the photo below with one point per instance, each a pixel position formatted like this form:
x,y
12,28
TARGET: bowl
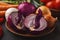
x,y
45,32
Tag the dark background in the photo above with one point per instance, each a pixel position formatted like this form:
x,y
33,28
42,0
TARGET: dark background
x,y
55,35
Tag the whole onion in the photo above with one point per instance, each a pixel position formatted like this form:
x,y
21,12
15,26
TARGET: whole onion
x,y
26,8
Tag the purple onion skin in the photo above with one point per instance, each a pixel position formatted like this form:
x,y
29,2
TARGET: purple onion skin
x,y
11,24
37,19
23,31
16,14
20,17
26,8
14,27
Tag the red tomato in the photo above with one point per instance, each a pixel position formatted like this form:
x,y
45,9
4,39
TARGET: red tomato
x,y
45,1
51,4
2,13
57,4
1,32
1,20
54,4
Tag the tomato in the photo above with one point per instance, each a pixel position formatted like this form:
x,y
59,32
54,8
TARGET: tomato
x,y
51,4
2,13
54,4
1,32
45,1
57,4
1,20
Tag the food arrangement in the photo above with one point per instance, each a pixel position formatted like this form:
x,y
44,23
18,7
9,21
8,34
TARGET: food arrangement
x,y
26,19
29,19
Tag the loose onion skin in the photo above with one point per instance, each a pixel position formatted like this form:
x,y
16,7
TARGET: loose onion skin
x,y
26,8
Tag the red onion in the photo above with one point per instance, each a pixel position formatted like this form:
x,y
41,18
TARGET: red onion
x,y
26,8
30,23
37,19
43,25
9,11
11,24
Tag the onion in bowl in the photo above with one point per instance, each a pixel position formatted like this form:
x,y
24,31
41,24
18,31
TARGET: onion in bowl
x,y
16,20
13,19
30,23
45,11
9,11
26,8
16,28
29,20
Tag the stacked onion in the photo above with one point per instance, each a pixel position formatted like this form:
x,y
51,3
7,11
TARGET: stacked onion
x,y
25,20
